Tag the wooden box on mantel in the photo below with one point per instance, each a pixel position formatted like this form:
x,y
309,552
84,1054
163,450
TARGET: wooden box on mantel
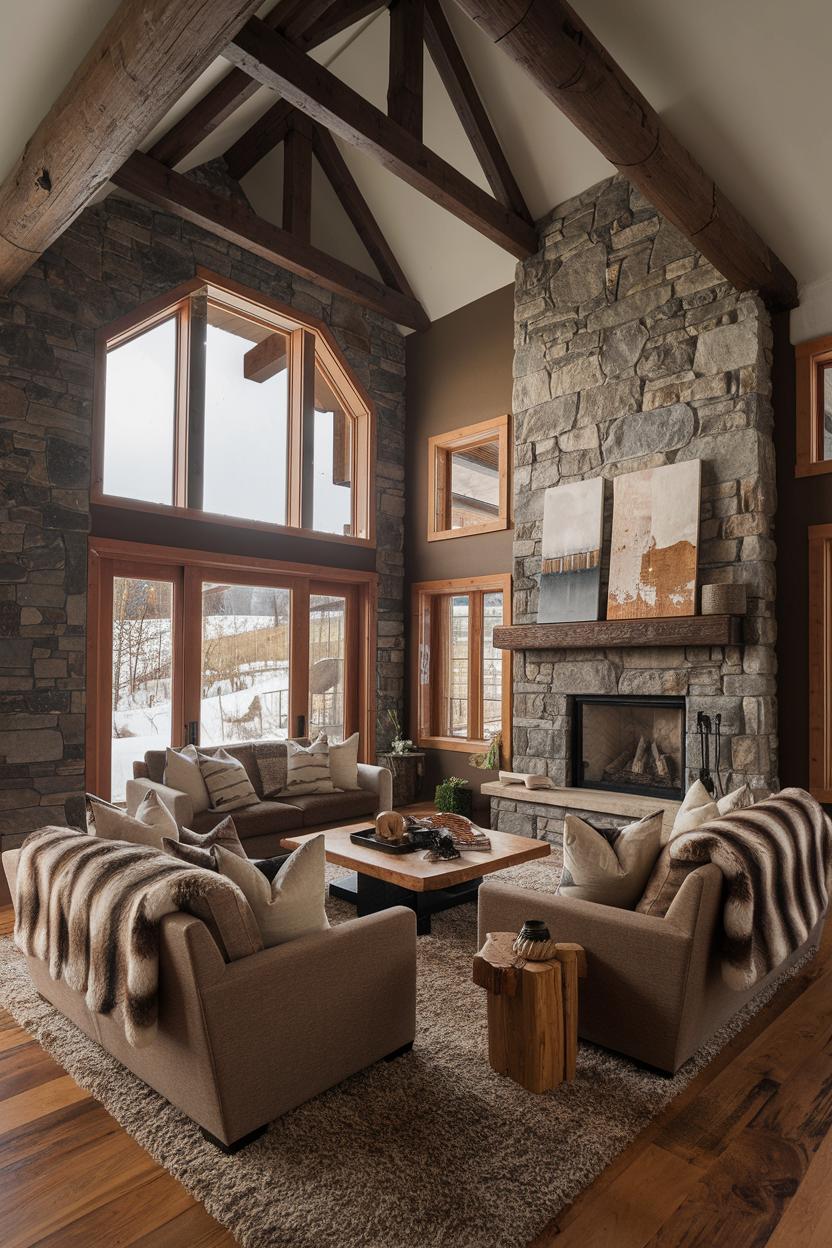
x,y
683,630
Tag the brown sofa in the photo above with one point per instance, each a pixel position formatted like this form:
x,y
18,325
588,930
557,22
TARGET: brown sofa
x,y
654,989
240,1043
262,827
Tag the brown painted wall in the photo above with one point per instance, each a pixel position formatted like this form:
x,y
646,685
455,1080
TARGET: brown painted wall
x,y
801,501
458,371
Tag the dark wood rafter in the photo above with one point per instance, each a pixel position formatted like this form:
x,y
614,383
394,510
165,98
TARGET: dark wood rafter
x,y
551,43
120,91
406,76
237,87
358,210
297,183
268,56
266,133
456,78
234,221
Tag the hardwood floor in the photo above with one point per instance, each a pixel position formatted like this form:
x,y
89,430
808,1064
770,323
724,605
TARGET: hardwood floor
x,y
742,1158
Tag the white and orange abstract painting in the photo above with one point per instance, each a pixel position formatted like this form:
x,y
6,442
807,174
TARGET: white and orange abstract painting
x,y
655,539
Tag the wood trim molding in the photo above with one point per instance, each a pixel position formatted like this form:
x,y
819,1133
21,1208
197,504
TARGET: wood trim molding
x,y
114,548
811,360
440,449
820,662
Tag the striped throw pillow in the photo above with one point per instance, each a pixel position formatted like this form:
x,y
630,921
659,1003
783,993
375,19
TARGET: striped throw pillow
x,y
227,782
307,769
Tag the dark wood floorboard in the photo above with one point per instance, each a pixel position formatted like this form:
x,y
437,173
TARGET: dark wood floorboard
x,y
743,1157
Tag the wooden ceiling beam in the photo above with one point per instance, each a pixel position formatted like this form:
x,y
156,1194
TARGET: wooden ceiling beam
x,y
297,184
551,43
358,210
120,91
450,64
237,87
266,55
259,139
233,220
405,88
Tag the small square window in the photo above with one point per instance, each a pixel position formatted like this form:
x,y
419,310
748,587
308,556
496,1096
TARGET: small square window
x,y
468,480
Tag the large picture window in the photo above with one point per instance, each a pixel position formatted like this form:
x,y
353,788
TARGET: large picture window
x,y
461,683
213,649
216,402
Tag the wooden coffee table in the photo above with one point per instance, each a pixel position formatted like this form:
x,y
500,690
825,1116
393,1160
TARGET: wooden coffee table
x,y
382,880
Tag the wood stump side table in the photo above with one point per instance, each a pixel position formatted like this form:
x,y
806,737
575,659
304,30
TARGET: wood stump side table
x,y
532,1011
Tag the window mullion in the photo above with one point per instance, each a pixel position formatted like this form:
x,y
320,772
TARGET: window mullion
x,y
301,429
475,647
191,421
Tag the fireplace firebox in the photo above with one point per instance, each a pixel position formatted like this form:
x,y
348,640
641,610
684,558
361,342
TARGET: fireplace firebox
x,y
629,744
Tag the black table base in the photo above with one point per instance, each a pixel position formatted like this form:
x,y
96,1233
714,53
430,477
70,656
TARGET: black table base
x,y
370,895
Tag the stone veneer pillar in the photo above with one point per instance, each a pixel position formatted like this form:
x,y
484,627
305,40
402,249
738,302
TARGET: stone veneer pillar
x,y
632,351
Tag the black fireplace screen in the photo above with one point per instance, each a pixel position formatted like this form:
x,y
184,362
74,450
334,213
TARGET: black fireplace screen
x,y
629,744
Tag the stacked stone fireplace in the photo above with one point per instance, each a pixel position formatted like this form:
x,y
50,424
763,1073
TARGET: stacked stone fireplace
x,y
631,351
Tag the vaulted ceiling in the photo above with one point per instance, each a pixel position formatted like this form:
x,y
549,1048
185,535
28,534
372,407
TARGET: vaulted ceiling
x,y
742,85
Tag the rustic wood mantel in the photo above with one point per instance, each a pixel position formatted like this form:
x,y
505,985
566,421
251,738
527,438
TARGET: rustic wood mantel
x,y
691,630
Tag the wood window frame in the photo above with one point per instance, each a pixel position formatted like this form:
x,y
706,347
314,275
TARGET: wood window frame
x,y
811,359
820,661
428,599
188,569
311,343
441,448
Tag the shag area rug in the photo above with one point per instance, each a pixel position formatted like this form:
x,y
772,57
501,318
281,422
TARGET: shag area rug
x,y
431,1149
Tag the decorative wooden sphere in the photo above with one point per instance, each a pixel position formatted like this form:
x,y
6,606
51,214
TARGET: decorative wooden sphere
x,y
390,826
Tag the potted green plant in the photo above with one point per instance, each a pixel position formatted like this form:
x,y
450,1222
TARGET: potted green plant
x,y
454,797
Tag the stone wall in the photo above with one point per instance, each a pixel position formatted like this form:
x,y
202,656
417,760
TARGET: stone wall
x,y
632,351
114,257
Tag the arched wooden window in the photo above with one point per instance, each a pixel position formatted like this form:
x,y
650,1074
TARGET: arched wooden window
x,y
214,401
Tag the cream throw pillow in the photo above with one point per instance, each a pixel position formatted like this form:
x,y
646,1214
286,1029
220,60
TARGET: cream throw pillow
x,y
183,774
151,824
292,904
227,782
343,763
609,867
307,769
698,807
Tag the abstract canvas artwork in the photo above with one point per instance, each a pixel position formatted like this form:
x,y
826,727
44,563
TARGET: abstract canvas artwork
x,y
570,579
655,536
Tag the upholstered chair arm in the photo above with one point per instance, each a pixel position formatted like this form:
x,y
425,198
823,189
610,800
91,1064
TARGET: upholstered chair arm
x,y
179,804
633,999
378,780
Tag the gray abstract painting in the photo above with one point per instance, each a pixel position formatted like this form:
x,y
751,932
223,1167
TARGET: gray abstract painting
x,y
570,575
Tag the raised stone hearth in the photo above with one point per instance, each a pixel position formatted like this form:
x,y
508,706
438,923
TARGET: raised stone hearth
x,y
631,351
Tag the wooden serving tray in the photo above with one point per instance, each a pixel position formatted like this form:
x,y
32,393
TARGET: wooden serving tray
x,y
369,841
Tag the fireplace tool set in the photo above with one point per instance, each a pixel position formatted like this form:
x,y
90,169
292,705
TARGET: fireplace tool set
x,y
706,729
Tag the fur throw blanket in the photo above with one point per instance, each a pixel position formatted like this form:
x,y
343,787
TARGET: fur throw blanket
x,y
776,860
91,909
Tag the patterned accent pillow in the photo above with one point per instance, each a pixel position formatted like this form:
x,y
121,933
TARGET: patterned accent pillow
x,y
271,763
224,834
609,866
307,769
226,780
